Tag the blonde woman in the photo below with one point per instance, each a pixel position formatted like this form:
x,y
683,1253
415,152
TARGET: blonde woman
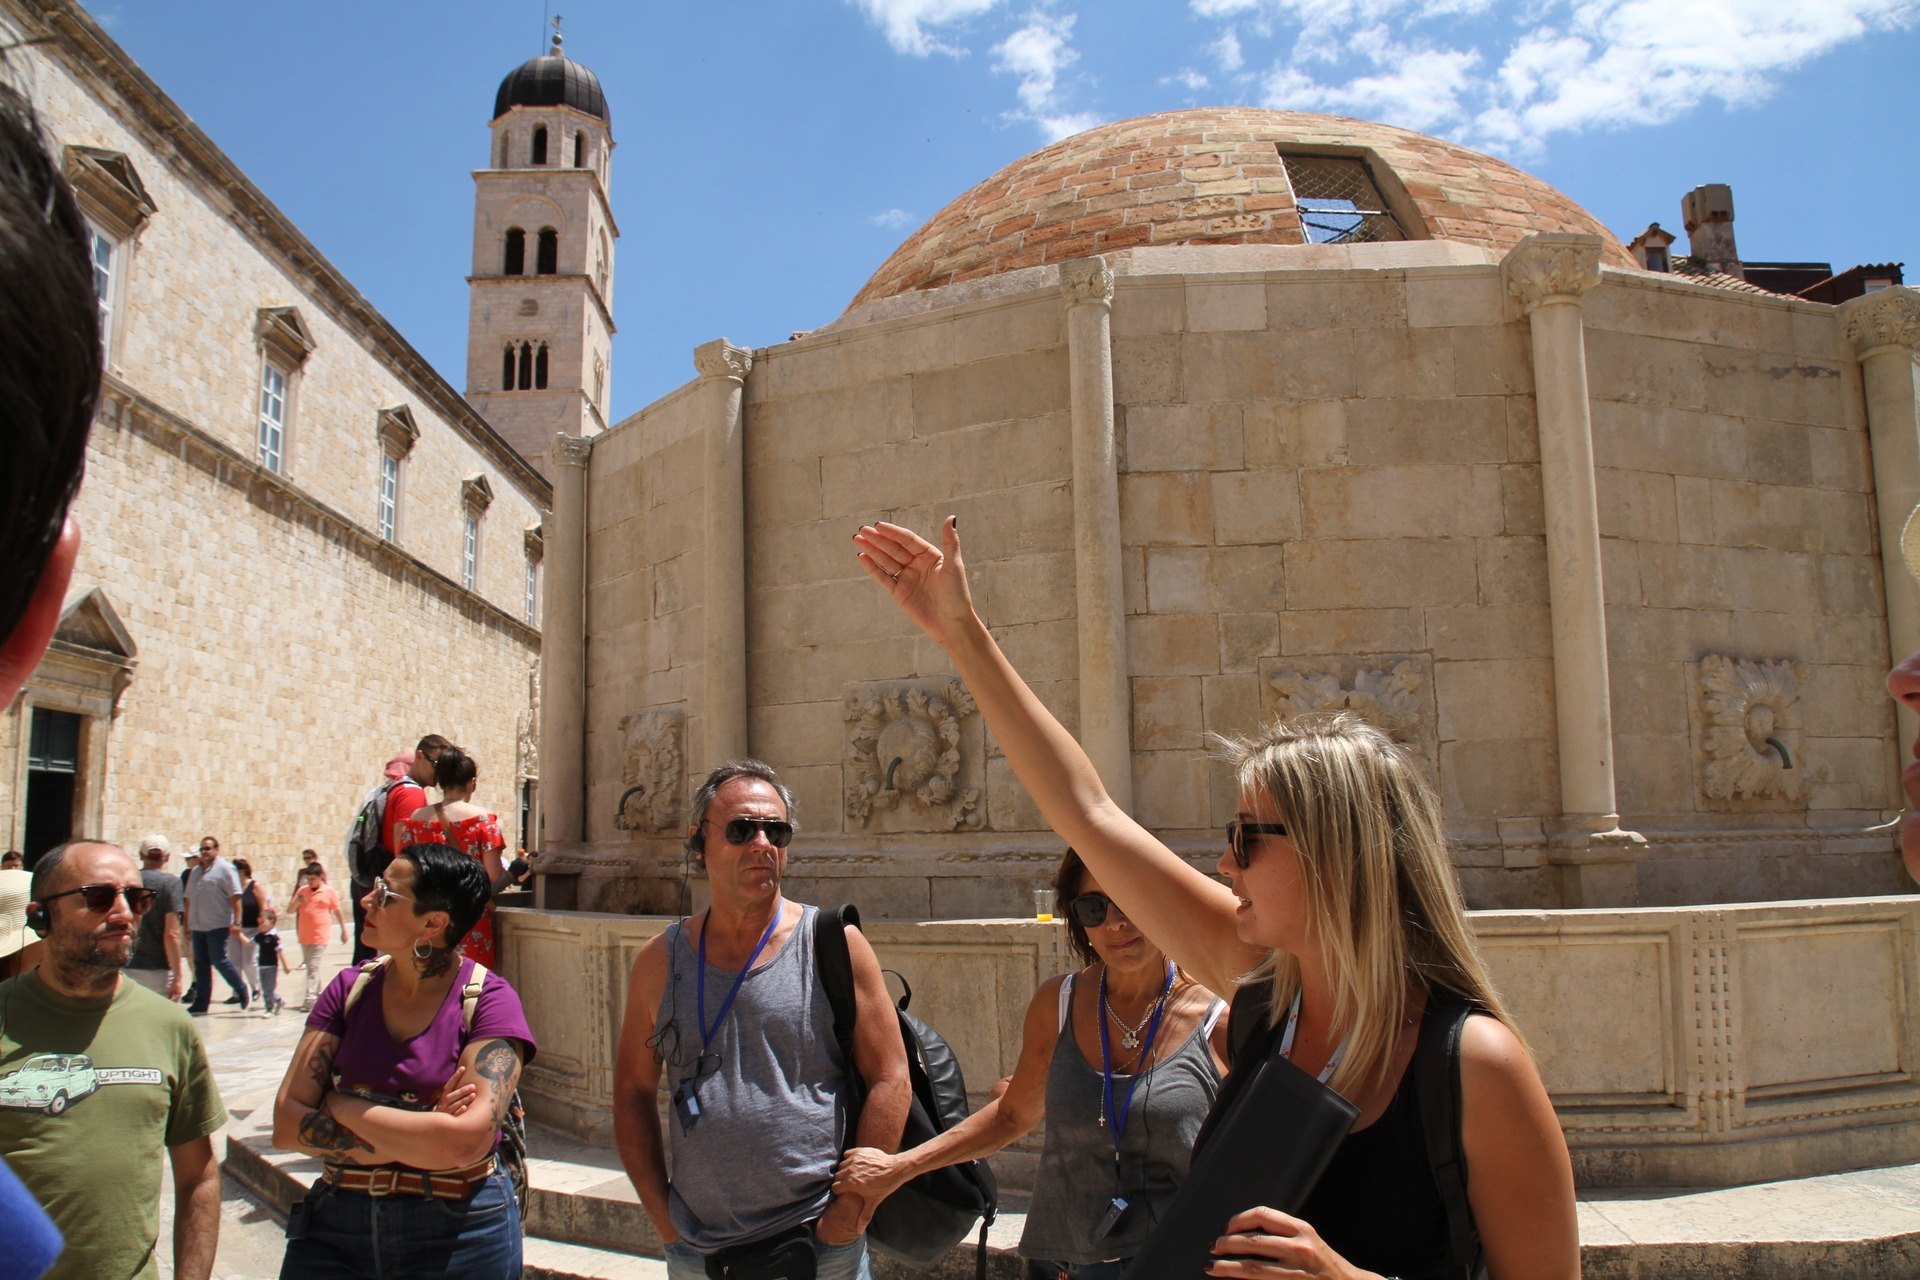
x,y
1341,896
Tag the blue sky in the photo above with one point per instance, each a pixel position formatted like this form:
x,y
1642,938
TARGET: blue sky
x,y
770,155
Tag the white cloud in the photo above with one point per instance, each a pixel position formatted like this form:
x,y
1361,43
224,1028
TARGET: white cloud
x,y
892,218
1036,55
1510,74
1189,79
1226,51
911,25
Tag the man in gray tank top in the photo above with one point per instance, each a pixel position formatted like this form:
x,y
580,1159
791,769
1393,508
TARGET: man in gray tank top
x,y
727,1009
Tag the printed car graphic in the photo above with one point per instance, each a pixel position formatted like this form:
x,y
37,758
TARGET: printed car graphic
x,y
49,1082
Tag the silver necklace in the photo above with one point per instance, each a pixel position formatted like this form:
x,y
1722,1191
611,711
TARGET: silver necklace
x,y
1130,1035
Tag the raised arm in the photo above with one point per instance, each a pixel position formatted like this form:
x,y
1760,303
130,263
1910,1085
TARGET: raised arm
x,y
1186,914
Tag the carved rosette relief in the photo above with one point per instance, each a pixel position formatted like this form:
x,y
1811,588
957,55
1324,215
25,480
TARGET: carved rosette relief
x,y
912,763
1393,694
571,451
653,771
1749,733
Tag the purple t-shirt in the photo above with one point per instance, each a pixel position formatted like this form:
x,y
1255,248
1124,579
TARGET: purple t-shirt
x,y
370,1060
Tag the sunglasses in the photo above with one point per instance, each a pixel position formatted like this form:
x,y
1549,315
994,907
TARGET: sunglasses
x,y
99,897
778,830
1237,833
383,893
1090,910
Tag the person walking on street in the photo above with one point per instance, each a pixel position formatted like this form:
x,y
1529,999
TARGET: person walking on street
x,y
158,963
272,961
240,949
313,902
213,916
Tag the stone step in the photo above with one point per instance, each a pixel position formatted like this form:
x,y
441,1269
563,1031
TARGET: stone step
x,y
584,1222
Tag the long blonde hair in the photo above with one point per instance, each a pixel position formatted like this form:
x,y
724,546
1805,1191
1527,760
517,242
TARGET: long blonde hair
x,y
1382,896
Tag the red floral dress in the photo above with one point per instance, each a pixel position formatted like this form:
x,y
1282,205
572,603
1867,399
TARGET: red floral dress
x,y
473,837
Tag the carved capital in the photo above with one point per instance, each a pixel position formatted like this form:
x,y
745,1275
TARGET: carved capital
x,y
1888,318
1086,280
721,359
1551,265
570,451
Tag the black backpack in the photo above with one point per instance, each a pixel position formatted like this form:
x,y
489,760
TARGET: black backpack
x,y
928,1216
1436,1079
367,852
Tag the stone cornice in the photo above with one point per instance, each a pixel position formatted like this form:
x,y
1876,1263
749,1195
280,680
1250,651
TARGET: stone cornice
x,y
1551,265
570,451
593,289
85,49
1086,280
123,408
721,359
1888,318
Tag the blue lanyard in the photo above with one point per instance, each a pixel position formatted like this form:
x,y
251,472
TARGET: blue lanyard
x,y
700,978
1116,1118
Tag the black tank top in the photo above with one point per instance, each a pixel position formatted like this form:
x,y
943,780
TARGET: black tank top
x,y
1377,1204
249,907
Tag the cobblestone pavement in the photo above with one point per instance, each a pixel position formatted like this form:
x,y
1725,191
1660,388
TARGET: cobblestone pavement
x,y
249,1052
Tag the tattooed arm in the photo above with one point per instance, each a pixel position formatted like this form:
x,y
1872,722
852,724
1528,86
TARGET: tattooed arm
x,y
300,1119
436,1139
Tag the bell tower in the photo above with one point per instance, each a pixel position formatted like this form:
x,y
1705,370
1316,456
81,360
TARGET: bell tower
x,y
540,315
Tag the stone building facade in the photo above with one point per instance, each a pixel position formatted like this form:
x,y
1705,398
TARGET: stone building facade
x,y
1251,413
302,548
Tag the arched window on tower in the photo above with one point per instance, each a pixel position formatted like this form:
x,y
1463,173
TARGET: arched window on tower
x,y
526,365
549,259
579,150
516,257
506,368
600,263
540,368
540,145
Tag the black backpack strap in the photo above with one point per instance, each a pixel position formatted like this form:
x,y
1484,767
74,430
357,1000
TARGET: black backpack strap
x,y
835,967
1436,1074
1249,1024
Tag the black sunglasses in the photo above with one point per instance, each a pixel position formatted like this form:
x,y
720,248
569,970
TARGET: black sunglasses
x,y
779,830
99,897
1089,910
1237,833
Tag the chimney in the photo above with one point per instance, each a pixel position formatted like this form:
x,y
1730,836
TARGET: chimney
x,y
1707,212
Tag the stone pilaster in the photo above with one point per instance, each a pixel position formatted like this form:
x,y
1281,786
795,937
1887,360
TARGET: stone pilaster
x,y
1884,328
1548,273
563,650
1106,729
723,373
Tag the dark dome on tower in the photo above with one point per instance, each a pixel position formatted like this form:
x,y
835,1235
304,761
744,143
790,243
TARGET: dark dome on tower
x,y
552,80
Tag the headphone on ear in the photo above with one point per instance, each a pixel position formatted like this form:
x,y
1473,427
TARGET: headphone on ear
x,y
697,840
38,920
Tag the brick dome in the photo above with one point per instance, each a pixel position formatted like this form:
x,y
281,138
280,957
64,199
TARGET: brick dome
x,y
1216,175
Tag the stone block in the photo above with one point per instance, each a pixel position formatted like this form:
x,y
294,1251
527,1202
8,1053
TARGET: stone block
x,y
793,674
1636,504
1686,577
1043,650
1259,507
1022,589
1147,370
935,469
1245,638
1232,704
1170,791
1133,578
1454,300
1456,632
1851,584
1380,573
677,584
1494,700
1009,807
816,795
1225,305
798,733
1844,701
1791,519
782,493
999,523
1637,370
1173,645
1030,385
1794,1033
1404,363
1653,772
1343,302
1296,434
789,555
1779,452
1166,509
1406,432
1492,360
1184,437
807,426
1246,579
1620,570
1521,502
1400,502
1648,696
1167,713
1638,437
1143,308
1787,388
1311,364
1177,579
1839,459
1335,631
1514,777
1693,509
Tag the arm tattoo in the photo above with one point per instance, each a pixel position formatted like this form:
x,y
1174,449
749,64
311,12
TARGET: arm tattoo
x,y
320,1064
321,1132
498,1063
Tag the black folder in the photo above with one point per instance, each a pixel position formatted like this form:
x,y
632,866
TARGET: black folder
x,y
1269,1147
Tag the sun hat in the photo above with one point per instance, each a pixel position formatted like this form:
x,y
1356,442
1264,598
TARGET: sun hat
x,y
16,889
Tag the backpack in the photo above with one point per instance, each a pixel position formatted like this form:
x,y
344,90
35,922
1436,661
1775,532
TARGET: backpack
x,y
367,852
926,1217
513,1127
1436,1081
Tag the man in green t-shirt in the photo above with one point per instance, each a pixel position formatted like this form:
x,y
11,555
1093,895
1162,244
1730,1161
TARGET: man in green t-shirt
x,y
98,1074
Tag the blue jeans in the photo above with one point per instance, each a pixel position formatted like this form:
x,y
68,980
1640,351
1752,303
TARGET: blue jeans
x,y
835,1262
351,1236
1046,1269
210,957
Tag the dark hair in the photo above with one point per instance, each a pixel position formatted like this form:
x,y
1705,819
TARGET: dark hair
x,y
454,768
244,867
50,362
432,742
46,871
1068,882
204,839
445,879
746,767
310,855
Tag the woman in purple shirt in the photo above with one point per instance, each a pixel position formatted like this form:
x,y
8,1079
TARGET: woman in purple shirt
x,y
400,1084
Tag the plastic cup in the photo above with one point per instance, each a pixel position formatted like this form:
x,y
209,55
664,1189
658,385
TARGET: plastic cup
x,y
1043,905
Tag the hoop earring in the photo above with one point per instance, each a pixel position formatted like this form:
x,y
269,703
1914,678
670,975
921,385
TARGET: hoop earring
x,y
422,951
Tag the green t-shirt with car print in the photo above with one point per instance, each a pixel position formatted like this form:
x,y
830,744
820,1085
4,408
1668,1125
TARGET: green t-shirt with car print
x,y
92,1093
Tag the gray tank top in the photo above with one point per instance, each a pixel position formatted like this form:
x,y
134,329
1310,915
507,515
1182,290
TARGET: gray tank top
x,y
772,1095
1076,1177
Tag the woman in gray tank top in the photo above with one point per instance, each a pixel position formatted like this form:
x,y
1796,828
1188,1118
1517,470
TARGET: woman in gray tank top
x,y
1122,1060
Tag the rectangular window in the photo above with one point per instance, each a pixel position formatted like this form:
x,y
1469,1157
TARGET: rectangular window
x,y
1338,200
389,494
103,252
273,417
470,553
530,608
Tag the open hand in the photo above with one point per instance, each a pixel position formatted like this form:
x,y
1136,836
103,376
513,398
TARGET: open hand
x,y
866,1172
1263,1243
928,583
